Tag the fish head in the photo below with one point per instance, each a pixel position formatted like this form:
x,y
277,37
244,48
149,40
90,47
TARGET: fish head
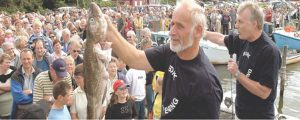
x,y
96,24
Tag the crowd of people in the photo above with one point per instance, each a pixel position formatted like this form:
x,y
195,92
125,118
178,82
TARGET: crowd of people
x,y
38,51
42,55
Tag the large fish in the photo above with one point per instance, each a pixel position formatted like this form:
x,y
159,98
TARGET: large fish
x,y
95,73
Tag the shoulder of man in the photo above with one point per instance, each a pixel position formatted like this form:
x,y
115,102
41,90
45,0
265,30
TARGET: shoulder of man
x,y
17,75
68,79
48,58
37,71
42,76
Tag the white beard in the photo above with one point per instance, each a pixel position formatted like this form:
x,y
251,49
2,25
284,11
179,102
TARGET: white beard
x,y
180,47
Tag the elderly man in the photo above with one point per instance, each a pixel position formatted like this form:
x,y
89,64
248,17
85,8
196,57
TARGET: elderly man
x,y
191,87
258,62
9,49
22,83
44,82
65,39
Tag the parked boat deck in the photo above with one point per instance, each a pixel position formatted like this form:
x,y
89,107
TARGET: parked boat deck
x,y
293,58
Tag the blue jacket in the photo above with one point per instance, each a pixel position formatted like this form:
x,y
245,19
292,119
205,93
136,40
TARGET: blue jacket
x,y
17,83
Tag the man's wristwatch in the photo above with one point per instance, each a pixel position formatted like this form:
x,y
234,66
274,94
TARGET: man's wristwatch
x,y
237,74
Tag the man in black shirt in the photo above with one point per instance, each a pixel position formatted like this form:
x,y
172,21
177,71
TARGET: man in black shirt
x,y
191,87
258,62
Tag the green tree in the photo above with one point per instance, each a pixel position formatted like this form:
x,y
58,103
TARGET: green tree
x,y
106,4
170,2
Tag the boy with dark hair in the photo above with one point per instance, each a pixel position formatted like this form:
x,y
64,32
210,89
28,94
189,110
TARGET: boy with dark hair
x,y
62,95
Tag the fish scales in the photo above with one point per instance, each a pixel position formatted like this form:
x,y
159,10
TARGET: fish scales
x,y
95,73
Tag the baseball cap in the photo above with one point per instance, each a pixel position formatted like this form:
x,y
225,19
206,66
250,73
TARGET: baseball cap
x,y
119,83
59,65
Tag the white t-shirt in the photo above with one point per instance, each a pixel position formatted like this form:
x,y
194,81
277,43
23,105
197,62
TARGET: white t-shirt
x,y
137,81
79,104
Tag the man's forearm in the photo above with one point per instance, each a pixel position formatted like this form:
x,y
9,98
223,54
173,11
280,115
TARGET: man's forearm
x,y
127,52
254,87
215,37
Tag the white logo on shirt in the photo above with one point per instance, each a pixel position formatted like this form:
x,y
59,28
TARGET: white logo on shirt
x,y
249,73
246,54
172,71
171,107
125,109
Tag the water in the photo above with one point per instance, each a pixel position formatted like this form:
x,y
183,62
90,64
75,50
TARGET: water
x,y
291,105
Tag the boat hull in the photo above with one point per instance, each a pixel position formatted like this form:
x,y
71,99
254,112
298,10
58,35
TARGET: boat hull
x,y
215,53
283,38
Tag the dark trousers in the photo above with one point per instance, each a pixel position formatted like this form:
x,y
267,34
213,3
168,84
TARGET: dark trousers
x,y
149,97
225,29
140,109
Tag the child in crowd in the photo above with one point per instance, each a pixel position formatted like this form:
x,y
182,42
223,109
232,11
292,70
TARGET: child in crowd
x,y
121,105
157,88
62,95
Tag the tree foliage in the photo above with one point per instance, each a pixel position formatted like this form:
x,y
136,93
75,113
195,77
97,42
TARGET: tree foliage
x,y
170,2
12,6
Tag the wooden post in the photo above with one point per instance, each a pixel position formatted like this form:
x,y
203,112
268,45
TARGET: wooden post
x,y
282,78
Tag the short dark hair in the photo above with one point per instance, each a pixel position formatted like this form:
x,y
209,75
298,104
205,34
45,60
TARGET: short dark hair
x,y
78,70
38,40
26,50
60,88
56,42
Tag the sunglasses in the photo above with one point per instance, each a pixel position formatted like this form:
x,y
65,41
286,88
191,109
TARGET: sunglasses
x,y
77,51
122,88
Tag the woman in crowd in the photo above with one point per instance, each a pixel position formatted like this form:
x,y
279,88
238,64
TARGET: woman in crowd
x,y
79,100
21,43
52,36
5,96
20,31
70,69
58,52
79,104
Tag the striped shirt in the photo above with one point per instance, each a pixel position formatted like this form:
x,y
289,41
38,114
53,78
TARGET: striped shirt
x,y
43,85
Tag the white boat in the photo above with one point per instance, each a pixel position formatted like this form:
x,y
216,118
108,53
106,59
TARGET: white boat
x,y
216,54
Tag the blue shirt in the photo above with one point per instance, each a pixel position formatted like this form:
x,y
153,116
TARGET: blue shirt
x,y
59,114
42,65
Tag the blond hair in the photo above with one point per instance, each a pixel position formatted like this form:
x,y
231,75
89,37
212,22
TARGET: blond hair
x,y
18,41
37,23
3,57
